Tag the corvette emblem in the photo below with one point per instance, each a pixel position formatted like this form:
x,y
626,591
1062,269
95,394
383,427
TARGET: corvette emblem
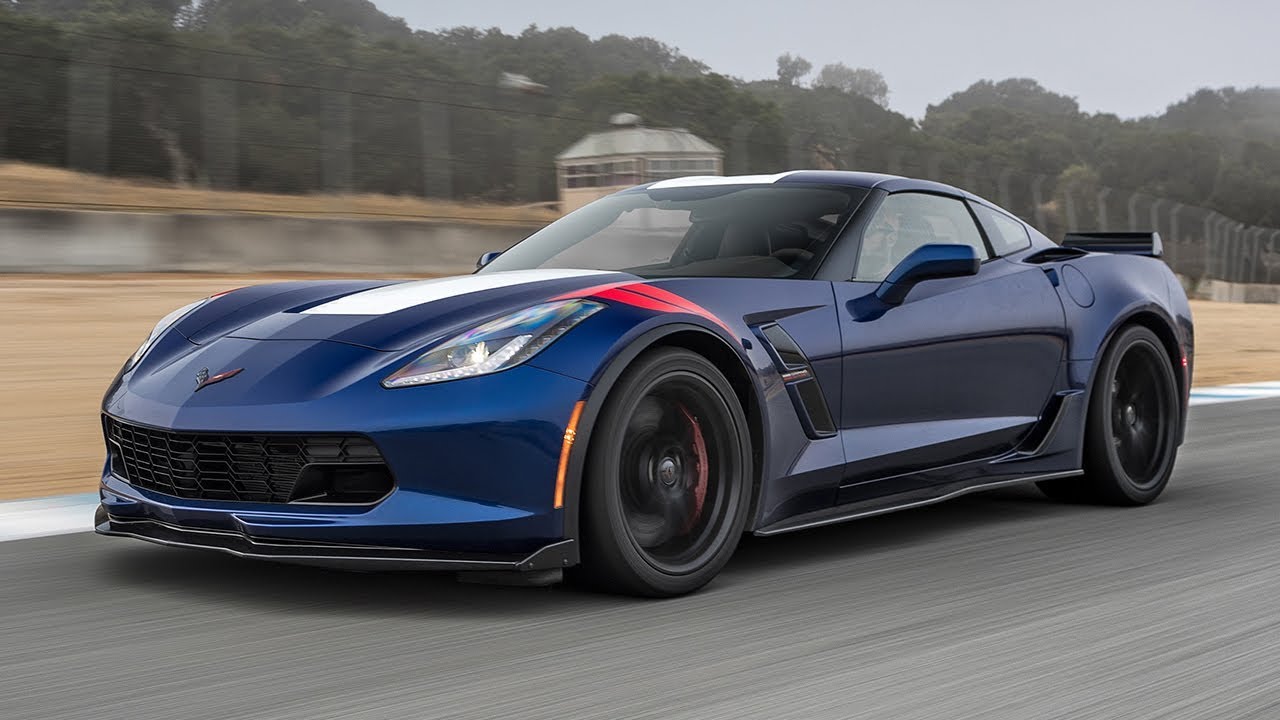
x,y
204,379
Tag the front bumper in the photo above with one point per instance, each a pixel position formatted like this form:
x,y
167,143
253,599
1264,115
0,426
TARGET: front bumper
x,y
354,557
474,463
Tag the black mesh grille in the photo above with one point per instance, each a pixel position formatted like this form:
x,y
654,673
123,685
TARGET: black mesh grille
x,y
216,466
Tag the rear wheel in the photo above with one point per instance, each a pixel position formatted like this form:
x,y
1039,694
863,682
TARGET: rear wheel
x,y
668,478
1131,435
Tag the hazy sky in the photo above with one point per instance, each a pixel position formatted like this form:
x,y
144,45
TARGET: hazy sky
x,y
1130,57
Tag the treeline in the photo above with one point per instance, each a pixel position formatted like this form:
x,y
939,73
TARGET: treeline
x,y
334,95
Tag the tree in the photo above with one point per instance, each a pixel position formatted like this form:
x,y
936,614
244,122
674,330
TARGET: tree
x,y
1016,94
314,95
67,9
621,55
831,129
32,124
361,15
228,15
1230,114
1016,123
792,68
857,81
1076,198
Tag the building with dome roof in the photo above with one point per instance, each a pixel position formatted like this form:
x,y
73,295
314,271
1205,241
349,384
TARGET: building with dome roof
x,y
630,154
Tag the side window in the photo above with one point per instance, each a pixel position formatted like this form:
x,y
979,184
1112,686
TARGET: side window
x,y
1006,234
906,221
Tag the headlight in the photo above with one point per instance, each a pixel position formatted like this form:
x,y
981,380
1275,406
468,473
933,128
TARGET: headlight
x,y
497,345
165,323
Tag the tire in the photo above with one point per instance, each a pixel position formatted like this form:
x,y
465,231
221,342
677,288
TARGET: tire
x,y
1131,431
668,484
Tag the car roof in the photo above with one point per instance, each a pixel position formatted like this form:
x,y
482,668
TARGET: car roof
x,y
846,178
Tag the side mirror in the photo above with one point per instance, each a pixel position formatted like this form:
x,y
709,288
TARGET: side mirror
x,y
486,258
927,262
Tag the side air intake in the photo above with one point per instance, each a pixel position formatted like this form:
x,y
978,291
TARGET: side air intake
x,y
801,384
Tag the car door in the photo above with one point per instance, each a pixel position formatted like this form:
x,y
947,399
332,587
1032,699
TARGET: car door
x,y
961,370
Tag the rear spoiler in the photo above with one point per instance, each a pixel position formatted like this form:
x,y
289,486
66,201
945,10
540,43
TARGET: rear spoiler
x,y
1117,243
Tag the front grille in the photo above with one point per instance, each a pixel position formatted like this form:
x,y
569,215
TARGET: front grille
x,y
218,466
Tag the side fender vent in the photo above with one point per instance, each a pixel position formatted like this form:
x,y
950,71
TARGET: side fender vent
x,y
798,376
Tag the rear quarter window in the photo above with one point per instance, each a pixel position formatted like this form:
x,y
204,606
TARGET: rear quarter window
x,y
1007,235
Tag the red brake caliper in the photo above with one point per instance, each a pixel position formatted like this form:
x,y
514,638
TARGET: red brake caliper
x,y
700,456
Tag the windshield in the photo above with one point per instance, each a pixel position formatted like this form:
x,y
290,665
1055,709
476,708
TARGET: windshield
x,y
710,231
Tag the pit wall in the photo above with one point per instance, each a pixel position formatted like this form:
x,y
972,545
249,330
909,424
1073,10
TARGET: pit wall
x,y
75,241
1223,291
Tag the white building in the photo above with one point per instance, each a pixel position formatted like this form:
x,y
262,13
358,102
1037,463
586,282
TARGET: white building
x,y
630,154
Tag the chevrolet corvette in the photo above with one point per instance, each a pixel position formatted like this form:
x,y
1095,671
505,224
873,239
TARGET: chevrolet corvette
x,y
625,393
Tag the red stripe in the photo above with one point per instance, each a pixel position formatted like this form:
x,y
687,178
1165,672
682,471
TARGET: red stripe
x,y
638,294
637,300
658,293
687,305
593,290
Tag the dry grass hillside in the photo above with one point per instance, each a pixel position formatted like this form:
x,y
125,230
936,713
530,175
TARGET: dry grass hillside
x,y
37,186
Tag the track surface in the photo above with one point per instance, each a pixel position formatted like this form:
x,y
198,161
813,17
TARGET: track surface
x,y
996,606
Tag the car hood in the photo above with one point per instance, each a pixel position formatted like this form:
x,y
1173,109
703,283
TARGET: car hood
x,y
393,316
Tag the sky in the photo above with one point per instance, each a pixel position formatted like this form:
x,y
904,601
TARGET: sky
x,y
1128,57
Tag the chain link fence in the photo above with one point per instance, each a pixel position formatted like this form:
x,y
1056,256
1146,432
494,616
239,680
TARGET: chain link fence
x,y
229,121
1199,243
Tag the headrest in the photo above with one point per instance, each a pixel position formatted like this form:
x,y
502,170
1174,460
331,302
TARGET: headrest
x,y
739,240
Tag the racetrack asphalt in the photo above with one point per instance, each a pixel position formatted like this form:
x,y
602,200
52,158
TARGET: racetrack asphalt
x,y
1000,605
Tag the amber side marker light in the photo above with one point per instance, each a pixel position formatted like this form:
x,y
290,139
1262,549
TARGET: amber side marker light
x,y
570,432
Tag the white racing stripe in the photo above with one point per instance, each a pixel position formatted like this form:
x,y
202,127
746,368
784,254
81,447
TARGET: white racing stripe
x,y
22,519
393,298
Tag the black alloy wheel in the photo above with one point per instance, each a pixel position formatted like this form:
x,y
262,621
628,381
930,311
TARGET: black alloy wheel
x,y
1131,433
668,485
1141,414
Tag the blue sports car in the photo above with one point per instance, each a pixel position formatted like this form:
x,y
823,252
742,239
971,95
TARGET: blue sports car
x,y
626,392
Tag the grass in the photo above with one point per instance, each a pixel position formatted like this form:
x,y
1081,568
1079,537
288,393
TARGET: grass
x,y
37,186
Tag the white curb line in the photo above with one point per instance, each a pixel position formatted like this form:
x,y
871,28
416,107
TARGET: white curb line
x,y
21,519
1232,393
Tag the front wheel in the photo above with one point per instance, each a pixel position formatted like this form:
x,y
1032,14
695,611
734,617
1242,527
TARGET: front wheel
x,y
1131,434
667,489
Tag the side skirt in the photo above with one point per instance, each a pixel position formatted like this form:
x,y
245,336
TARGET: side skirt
x,y
905,501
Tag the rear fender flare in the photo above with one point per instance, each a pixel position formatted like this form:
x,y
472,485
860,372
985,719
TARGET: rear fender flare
x,y
1145,314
